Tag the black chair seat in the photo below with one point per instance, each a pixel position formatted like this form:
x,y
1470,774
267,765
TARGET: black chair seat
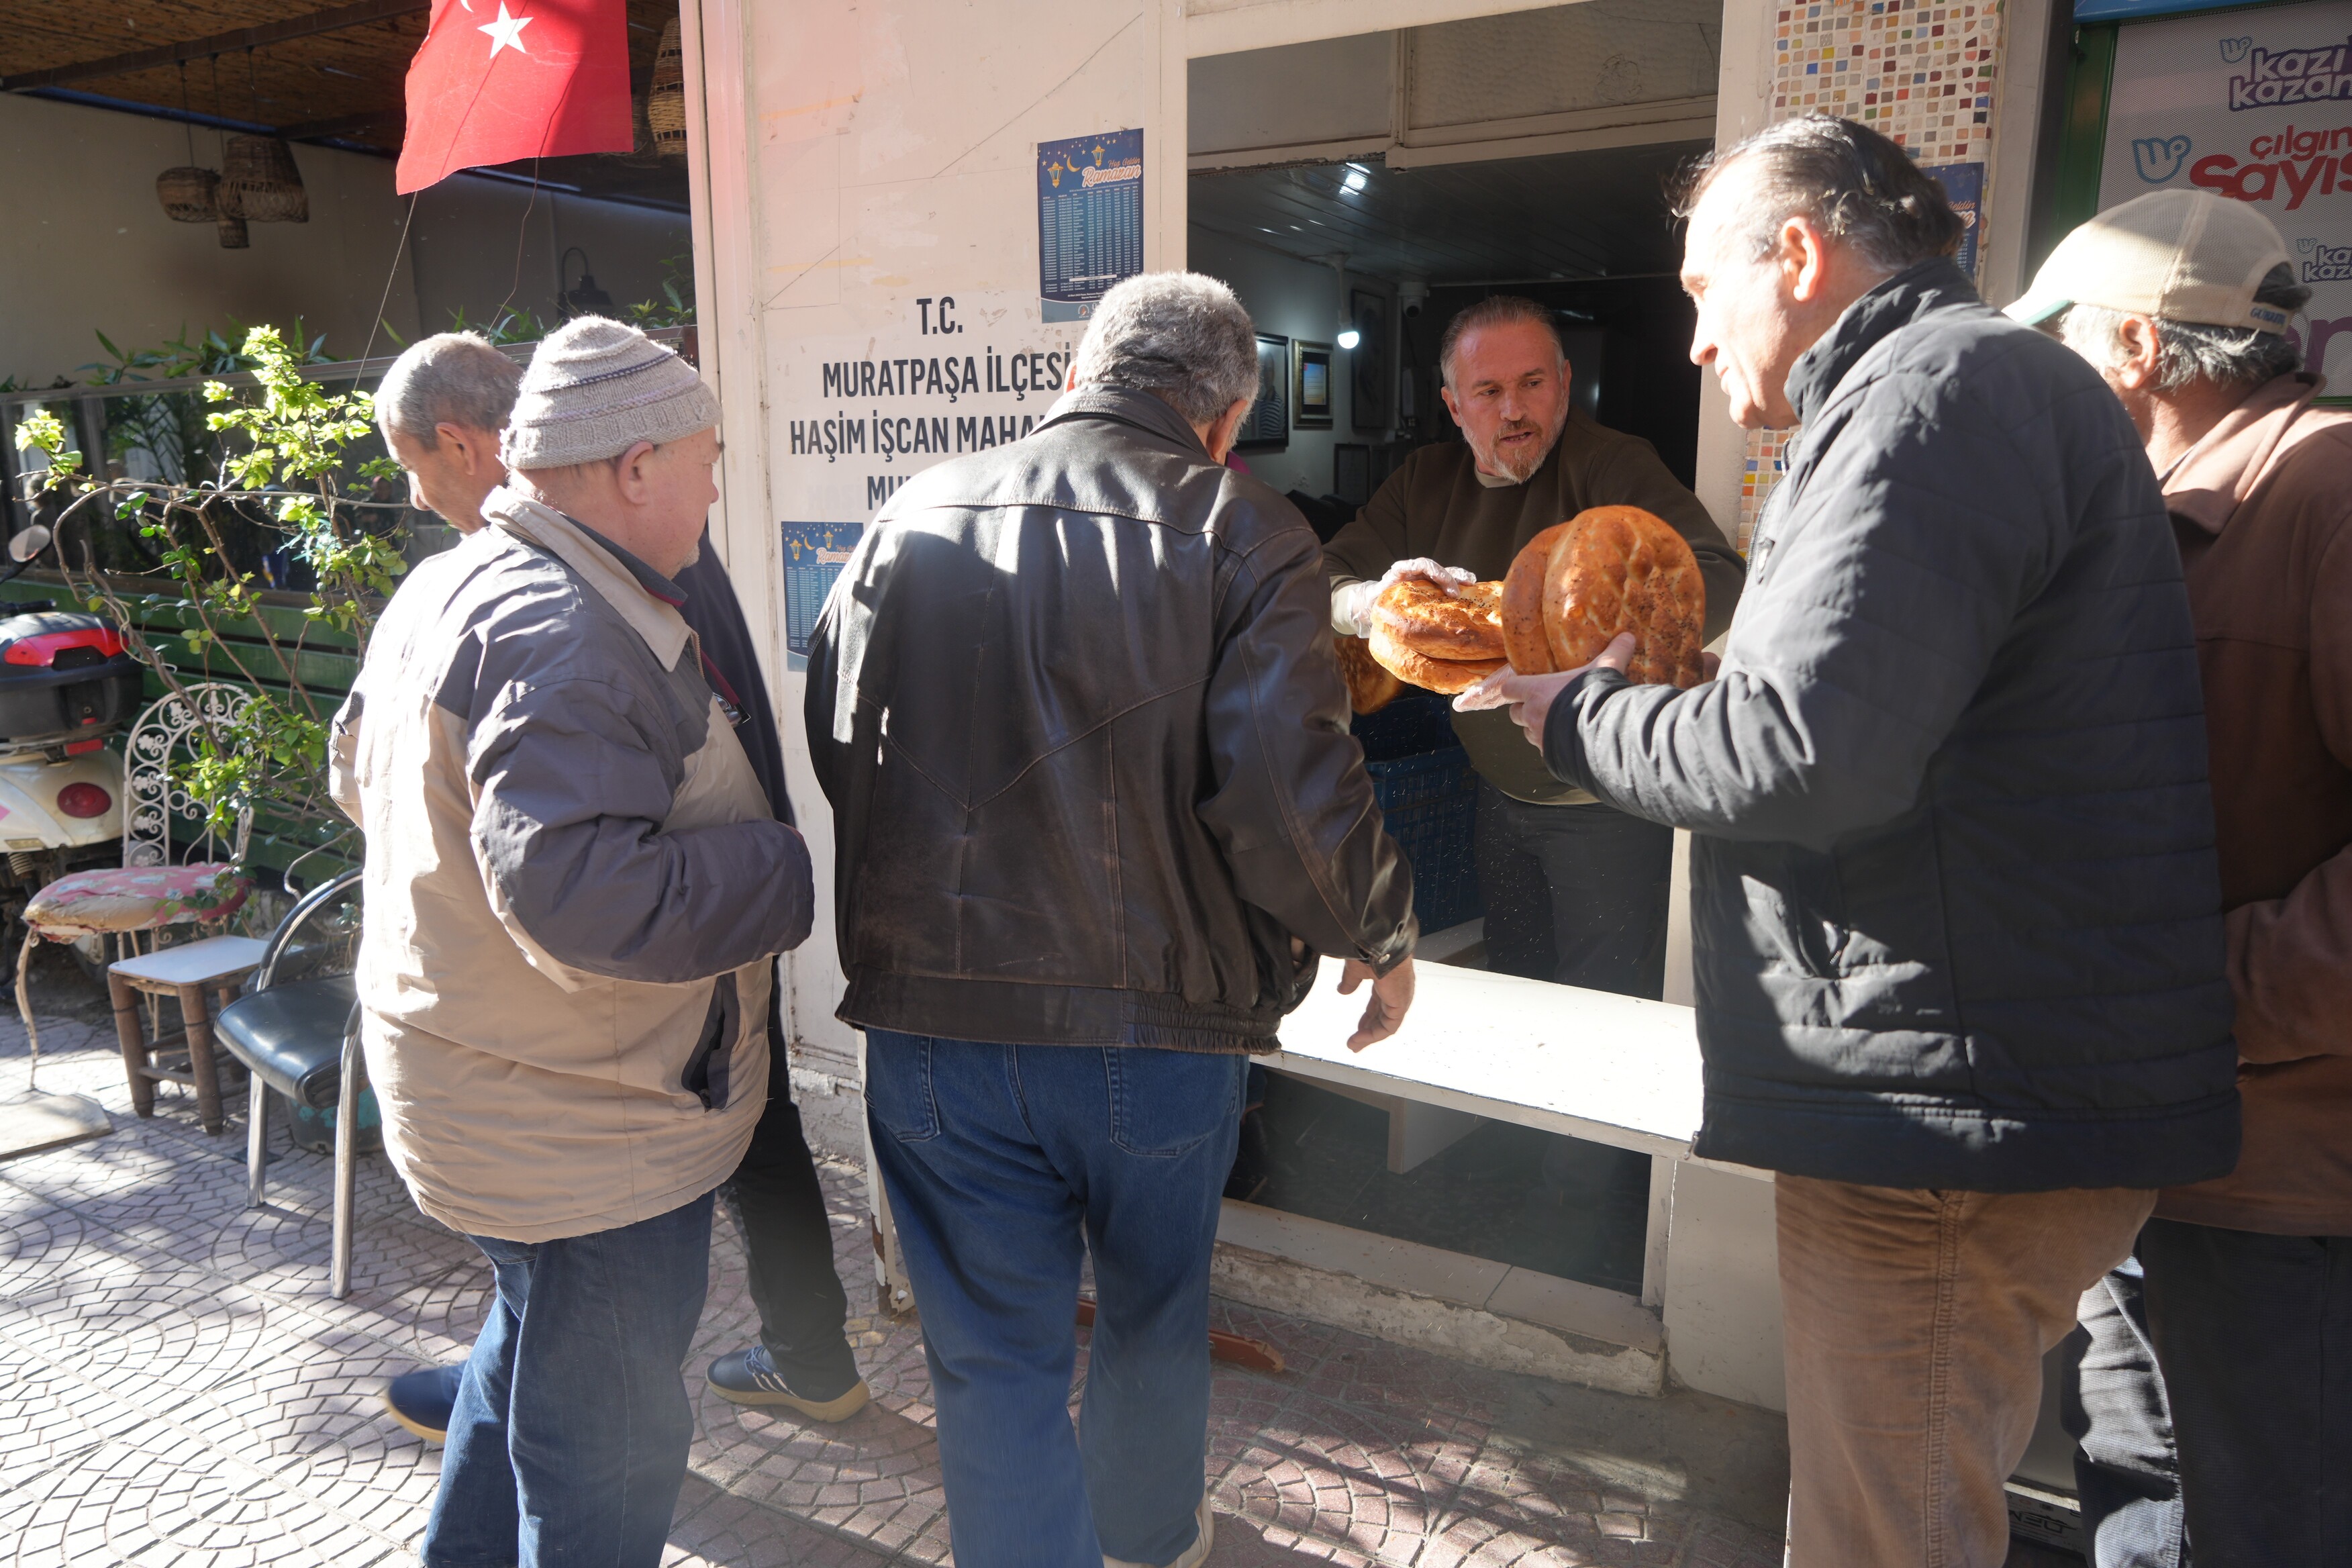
x,y
292,1036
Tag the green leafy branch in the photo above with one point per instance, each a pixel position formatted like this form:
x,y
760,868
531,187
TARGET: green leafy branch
x,y
285,459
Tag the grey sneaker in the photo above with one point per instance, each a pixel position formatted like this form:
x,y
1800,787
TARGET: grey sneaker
x,y
749,1377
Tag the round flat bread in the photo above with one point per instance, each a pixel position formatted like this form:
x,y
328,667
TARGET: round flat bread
x,y
1370,686
1607,570
1450,676
1425,618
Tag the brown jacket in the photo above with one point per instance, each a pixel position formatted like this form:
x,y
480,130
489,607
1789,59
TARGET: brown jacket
x,y
2262,509
1434,505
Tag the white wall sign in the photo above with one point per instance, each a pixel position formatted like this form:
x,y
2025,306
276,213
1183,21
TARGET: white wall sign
x,y
2256,105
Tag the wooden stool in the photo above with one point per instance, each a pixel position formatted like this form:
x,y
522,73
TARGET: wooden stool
x,y
215,965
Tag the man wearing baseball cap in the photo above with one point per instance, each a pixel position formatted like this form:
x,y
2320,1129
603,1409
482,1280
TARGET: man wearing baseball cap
x,y
575,888
2240,1289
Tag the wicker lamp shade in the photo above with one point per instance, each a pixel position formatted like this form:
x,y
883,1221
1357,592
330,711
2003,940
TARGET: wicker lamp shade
x,y
233,235
666,98
189,195
260,184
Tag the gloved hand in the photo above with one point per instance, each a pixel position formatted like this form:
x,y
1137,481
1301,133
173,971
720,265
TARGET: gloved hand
x,y
1352,606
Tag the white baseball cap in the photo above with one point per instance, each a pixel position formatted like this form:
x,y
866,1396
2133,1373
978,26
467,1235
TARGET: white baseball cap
x,y
2179,255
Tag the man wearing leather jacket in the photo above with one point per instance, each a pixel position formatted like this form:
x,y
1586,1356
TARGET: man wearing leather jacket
x,y
1096,811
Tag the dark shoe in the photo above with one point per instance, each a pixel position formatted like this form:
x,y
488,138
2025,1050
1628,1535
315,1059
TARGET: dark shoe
x,y
749,1377
422,1400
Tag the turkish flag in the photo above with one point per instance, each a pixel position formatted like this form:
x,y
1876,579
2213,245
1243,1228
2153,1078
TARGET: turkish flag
x,y
496,80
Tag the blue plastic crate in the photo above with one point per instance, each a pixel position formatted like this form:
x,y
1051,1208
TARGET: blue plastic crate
x,y
1431,805
1414,724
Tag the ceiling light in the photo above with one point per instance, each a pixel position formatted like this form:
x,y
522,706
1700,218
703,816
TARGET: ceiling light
x,y
1355,178
1347,336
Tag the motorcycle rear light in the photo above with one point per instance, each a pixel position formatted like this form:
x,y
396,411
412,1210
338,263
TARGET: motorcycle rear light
x,y
76,748
84,800
43,649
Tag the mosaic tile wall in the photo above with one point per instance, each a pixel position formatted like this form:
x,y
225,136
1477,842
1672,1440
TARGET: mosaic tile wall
x,y
1921,74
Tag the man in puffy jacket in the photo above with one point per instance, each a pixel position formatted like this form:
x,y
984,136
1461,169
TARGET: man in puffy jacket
x,y
1956,919
1095,811
576,889
441,408
2240,1289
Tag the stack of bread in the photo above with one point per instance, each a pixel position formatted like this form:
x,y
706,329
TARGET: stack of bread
x,y
1438,638
1609,570
1571,591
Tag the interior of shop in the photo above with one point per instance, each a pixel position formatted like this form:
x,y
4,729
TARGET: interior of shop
x,y
1372,187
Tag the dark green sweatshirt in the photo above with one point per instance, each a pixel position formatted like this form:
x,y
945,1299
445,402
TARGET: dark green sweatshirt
x,y
1435,505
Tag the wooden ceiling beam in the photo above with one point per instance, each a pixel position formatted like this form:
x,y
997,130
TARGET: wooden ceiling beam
x,y
333,20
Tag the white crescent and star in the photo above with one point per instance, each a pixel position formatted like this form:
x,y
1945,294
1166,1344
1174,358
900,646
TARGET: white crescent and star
x,y
505,33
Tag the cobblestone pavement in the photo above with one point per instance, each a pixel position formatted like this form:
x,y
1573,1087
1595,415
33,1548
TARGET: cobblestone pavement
x,y
176,1387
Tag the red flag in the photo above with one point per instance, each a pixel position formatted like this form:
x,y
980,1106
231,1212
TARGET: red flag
x,y
496,80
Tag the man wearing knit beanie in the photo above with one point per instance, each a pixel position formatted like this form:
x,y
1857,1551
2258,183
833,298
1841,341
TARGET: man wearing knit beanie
x,y
576,892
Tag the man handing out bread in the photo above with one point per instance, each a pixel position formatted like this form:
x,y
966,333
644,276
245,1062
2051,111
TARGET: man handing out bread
x,y
1575,890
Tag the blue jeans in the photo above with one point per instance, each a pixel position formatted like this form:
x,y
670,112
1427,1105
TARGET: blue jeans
x,y
568,1443
2242,1443
1006,1166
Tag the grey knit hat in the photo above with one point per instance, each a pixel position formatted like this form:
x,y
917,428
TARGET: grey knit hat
x,y
594,389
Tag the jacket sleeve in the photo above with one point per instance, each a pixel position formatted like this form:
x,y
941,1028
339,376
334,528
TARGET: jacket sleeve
x,y
569,803
1635,475
1289,800
2291,958
1919,531
1377,539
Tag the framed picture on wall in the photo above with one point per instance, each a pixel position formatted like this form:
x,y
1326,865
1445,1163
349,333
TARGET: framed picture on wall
x,y
1267,427
1369,360
1310,385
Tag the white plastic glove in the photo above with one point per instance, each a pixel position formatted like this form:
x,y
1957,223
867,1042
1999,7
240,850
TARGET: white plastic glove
x,y
1352,606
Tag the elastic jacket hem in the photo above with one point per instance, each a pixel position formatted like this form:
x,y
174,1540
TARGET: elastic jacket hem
x,y
1945,1147
1019,1014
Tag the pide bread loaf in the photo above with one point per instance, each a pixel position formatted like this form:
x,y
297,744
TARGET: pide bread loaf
x,y
1449,676
1607,570
1438,640
1422,616
1370,686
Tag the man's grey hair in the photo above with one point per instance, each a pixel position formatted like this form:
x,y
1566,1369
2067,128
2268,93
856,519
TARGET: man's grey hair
x,y
452,377
1179,336
2191,351
1495,311
1851,183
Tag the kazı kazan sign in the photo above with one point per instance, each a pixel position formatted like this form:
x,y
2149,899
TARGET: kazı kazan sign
x,y
2274,77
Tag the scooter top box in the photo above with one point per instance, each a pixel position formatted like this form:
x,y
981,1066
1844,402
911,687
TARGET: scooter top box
x,y
65,680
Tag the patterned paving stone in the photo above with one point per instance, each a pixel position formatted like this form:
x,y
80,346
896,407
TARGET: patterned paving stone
x,y
176,1387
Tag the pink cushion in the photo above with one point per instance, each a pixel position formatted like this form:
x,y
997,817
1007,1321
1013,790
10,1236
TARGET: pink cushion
x,y
90,903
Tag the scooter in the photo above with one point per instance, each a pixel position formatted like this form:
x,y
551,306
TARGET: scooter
x,y
67,683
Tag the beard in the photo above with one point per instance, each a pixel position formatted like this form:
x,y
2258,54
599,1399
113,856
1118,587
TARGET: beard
x,y
1530,454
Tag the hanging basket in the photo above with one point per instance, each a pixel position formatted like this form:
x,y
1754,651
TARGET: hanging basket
x,y
260,183
189,195
666,99
233,235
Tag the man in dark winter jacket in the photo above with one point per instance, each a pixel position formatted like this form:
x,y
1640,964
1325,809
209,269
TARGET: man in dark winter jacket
x,y
1096,810
1957,922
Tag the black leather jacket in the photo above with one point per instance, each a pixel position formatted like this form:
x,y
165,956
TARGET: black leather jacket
x,y
1075,705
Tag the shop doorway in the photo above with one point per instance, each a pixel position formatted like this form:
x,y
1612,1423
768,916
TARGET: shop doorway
x,y
1370,188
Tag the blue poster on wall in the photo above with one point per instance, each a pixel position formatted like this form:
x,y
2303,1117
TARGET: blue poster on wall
x,y
1964,188
815,554
1089,220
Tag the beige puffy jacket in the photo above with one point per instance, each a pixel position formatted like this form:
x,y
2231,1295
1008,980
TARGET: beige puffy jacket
x,y
574,888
